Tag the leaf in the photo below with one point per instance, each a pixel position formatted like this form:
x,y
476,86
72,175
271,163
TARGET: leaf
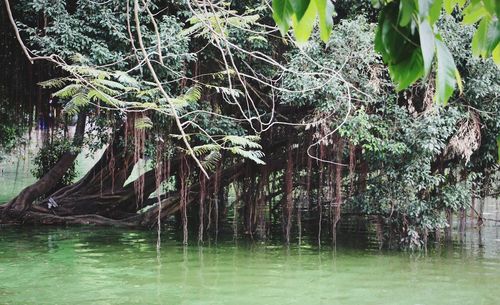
x,y
399,47
257,38
449,5
303,28
435,11
55,82
496,54
68,91
446,73
406,10
228,91
408,71
326,11
86,70
102,96
299,7
493,36
143,123
124,78
192,95
80,100
282,15
70,109
211,160
427,45
491,7
204,149
480,39
245,142
459,82
110,84
474,12
429,9
253,155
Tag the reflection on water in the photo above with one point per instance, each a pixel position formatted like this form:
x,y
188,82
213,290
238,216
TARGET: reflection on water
x,y
82,265
111,266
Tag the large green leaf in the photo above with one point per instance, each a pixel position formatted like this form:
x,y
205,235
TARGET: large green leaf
x,y
449,5
407,71
496,54
480,39
303,27
282,14
474,12
400,48
326,11
68,91
299,7
491,6
435,11
429,9
406,11
446,73
493,36
427,44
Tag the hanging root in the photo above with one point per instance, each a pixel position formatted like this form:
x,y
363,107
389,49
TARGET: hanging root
x,y
289,194
203,194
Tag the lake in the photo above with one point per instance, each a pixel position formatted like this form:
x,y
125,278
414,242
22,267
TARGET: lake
x,y
82,265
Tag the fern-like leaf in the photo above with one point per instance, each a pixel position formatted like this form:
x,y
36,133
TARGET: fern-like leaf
x,y
254,155
143,123
204,149
106,98
87,71
126,79
211,160
55,82
110,84
68,91
244,142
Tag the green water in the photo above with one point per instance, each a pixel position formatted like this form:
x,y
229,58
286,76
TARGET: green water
x,y
111,266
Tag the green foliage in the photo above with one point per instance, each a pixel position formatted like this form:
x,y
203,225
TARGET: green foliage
x,y
407,37
403,137
220,22
486,41
10,129
481,89
382,96
350,52
48,156
409,52
301,14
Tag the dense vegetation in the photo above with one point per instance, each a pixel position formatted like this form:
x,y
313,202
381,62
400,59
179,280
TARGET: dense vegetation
x,y
241,126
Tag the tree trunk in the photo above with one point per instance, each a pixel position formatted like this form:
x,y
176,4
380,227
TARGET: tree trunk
x,y
24,200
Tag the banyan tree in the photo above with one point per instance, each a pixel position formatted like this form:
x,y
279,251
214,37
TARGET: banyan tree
x,y
203,114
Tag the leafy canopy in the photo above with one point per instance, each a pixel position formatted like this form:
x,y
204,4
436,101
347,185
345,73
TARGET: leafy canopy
x,y
407,36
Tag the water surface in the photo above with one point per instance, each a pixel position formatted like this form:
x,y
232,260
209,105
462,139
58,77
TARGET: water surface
x,y
112,266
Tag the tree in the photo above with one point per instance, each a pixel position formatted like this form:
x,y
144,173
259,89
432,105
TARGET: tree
x,y
232,118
